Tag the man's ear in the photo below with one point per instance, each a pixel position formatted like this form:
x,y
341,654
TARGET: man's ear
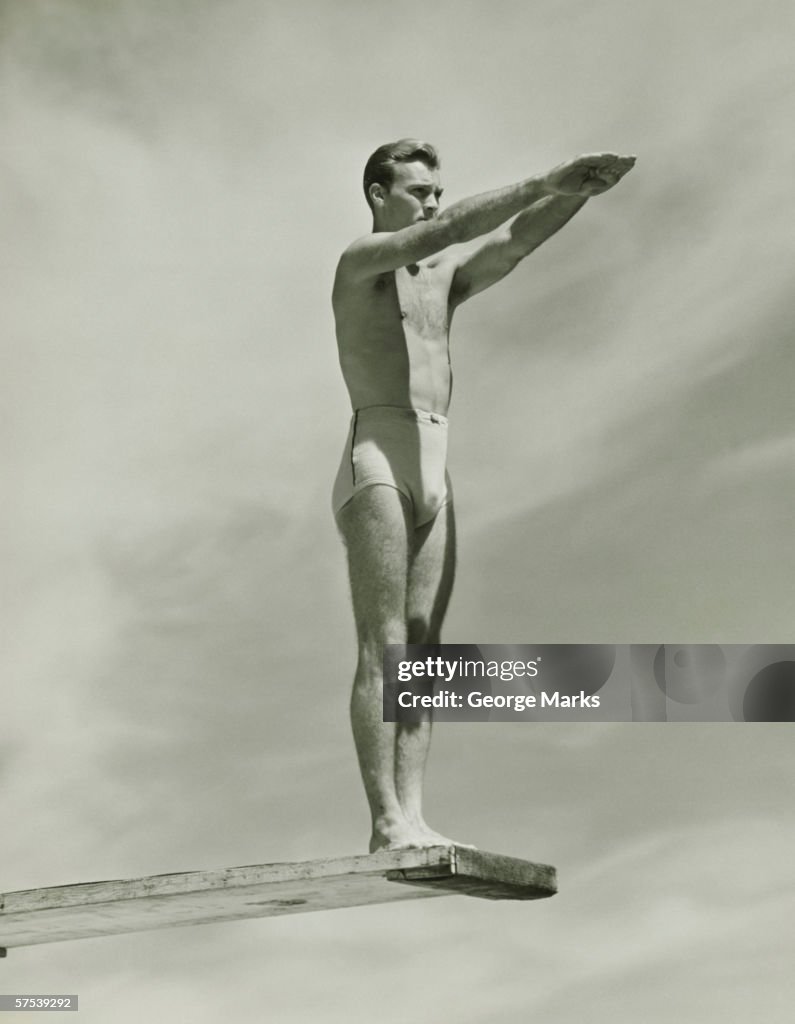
x,y
377,193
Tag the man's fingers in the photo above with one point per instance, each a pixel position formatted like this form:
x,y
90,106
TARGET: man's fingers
x,y
604,173
605,161
590,174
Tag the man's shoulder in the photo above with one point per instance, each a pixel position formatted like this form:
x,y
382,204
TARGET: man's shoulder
x,y
350,260
354,291
349,278
362,244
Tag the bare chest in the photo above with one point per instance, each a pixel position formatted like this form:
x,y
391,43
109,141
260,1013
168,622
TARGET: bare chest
x,y
422,296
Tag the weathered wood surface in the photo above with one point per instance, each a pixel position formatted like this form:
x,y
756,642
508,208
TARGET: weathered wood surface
x,y
92,909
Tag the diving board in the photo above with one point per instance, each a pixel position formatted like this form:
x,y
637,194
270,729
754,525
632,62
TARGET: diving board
x,y
91,909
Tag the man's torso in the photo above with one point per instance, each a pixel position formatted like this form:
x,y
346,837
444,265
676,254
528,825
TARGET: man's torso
x,y
392,334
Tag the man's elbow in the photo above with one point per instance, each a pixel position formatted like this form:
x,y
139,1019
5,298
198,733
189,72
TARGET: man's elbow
x,y
513,247
522,244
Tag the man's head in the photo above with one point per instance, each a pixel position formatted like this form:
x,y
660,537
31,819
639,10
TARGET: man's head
x,y
401,183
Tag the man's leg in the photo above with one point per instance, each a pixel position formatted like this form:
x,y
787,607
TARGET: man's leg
x,y
376,526
432,554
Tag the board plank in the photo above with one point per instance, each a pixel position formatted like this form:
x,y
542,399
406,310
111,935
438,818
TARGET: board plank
x,y
91,909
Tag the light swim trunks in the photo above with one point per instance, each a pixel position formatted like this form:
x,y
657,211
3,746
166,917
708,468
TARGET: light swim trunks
x,y
402,448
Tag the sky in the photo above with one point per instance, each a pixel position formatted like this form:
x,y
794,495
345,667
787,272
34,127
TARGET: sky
x,y
176,183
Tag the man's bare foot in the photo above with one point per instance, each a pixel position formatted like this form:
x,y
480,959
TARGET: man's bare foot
x,y
408,835
437,839
404,834
399,838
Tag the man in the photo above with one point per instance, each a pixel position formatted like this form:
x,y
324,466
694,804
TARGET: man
x,y
394,295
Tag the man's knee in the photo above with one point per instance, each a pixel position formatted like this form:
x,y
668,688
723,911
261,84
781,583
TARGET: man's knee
x,y
372,641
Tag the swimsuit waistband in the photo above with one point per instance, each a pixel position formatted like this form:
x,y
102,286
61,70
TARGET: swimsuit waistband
x,y
402,412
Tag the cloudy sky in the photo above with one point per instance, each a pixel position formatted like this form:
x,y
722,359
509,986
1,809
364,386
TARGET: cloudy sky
x,y
176,182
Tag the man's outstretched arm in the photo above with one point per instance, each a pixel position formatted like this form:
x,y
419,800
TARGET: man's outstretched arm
x,y
501,252
383,251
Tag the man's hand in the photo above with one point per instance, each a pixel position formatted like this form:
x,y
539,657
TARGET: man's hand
x,y
587,175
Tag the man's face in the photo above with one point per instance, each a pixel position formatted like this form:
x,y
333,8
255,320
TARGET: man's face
x,y
413,196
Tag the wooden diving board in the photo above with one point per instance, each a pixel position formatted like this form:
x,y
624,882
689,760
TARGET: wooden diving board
x,y
91,909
